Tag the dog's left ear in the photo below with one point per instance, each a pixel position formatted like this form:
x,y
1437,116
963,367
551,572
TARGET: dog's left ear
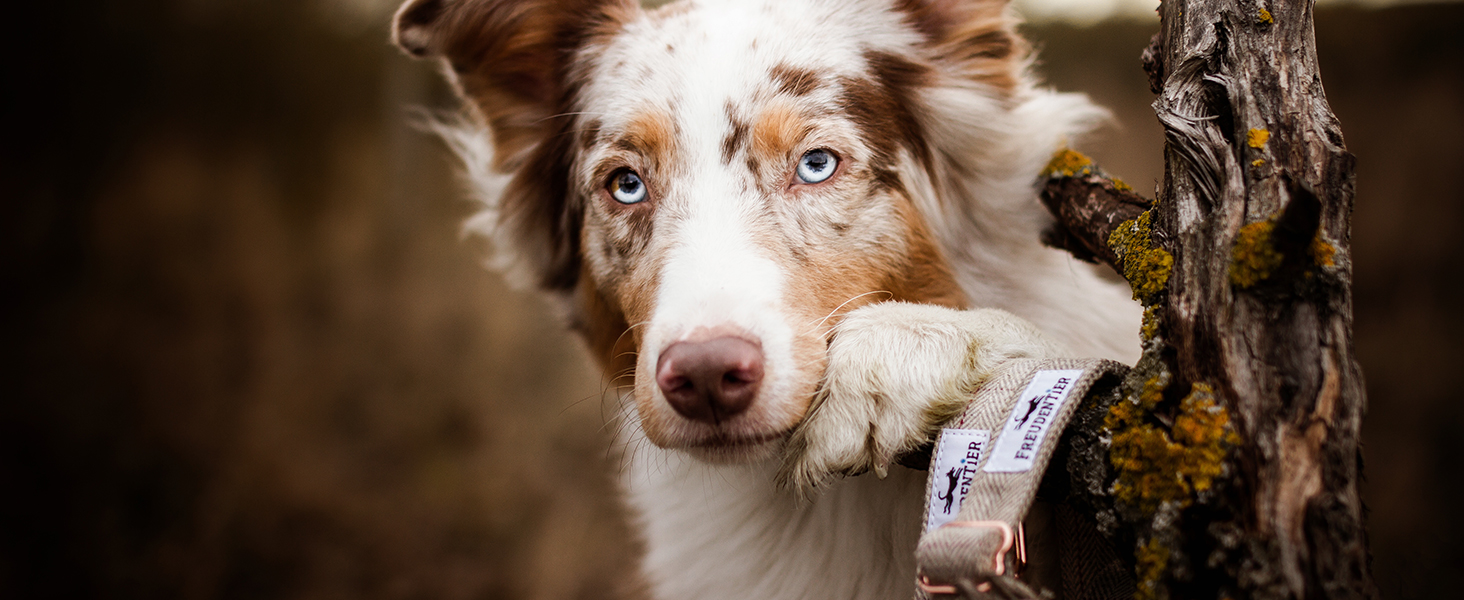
x,y
975,38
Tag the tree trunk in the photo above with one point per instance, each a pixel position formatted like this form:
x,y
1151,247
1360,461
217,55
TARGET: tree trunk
x,y
1234,462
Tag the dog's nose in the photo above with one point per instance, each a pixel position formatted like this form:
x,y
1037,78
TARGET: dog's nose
x,y
710,381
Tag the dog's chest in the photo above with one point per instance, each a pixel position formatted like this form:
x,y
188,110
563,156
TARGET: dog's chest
x,y
725,532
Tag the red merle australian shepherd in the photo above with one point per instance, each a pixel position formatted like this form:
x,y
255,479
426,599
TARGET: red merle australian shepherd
x,y
808,228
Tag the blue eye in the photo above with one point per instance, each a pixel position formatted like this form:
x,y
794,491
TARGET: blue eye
x,y
627,188
816,166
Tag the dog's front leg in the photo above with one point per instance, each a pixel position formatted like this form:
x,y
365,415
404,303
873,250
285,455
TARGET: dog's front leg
x,y
895,372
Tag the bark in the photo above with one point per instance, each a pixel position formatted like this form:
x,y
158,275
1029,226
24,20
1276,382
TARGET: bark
x,y
1232,458
1089,206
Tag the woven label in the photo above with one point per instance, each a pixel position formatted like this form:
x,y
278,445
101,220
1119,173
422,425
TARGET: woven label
x,y
957,453
1021,439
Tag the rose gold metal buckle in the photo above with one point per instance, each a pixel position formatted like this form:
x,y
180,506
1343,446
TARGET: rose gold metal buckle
x,y
998,565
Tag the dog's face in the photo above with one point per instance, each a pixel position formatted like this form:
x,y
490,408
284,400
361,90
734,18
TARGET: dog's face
x,y
714,184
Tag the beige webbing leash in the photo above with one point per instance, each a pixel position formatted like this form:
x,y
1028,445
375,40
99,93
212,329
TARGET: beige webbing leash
x,y
989,461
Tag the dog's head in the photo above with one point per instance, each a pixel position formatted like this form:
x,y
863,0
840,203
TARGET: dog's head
x,y
712,184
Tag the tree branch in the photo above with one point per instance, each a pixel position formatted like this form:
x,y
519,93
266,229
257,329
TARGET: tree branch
x,y
1089,205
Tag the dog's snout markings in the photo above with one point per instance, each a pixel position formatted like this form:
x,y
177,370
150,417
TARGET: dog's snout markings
x,y
710,381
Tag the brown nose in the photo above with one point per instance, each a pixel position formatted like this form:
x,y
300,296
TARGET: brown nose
x,y
710,381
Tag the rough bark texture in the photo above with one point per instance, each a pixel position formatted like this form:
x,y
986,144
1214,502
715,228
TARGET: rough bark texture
x,y
1089,206
1233,457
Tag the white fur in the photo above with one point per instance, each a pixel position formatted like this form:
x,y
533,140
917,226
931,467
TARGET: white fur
x,y
718,532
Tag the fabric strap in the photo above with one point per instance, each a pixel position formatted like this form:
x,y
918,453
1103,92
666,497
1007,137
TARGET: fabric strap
x,y
1022,410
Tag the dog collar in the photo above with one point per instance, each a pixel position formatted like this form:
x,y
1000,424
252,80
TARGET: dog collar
x,y
985,470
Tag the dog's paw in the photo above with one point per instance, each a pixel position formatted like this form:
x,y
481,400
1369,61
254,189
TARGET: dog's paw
x,y
895,372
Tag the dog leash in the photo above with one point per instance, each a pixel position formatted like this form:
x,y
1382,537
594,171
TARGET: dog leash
x,y
984,472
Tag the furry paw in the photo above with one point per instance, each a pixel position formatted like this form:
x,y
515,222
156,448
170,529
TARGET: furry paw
x,y
895,372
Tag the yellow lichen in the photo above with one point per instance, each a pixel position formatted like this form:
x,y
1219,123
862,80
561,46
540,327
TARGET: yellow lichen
x,y
1145,267
1203,427
1258,162
1257,138
1071,163
1265,16
1322,252
1068,163
1152,559
1253,258
1155,465
1150,326
1148,272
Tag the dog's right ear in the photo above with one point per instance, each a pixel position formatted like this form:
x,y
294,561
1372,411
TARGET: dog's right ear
x,y
513,61
413,29
511,58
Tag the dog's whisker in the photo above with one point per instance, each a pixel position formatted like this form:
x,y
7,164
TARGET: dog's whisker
x,y
614,421
569,114
609,381
627,331
846,303
620,421
575,403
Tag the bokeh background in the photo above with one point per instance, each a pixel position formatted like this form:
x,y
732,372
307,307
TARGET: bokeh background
x,y
248,353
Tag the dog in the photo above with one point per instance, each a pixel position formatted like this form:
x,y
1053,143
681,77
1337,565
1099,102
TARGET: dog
x,y
801,230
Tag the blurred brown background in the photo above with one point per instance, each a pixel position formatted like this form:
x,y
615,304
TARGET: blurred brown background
x,y
249,355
